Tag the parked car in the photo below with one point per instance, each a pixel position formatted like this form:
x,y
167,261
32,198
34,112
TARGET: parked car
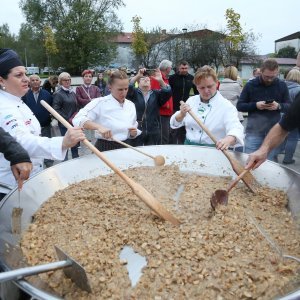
x,y
47,70
32,70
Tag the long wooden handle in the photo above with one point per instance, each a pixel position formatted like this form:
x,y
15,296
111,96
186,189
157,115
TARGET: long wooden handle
x,y
236,180
133,148
239,177
208,132
137,189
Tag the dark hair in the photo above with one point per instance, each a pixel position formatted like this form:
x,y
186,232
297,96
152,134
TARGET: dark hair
x,y
183,62
270,64
118,74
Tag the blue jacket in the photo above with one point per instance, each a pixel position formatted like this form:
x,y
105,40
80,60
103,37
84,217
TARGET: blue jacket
x,y
261,121
39,111
148,115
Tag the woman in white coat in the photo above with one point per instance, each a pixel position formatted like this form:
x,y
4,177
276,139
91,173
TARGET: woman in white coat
x,y
17,119
218,114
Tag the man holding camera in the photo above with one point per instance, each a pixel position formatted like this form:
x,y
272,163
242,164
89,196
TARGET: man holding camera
x,y
264,98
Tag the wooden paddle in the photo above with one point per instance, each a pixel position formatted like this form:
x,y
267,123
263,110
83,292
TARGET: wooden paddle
x,y
137,189
248,179
159,160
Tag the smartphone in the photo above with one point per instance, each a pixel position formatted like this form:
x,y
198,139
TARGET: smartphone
x,y
269,101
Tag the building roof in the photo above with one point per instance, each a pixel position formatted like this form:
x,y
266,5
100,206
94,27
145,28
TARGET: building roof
x,y
293,36
281,61
286,61
124,38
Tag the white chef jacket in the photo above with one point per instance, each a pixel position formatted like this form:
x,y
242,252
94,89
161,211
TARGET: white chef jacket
x,y
17,119
108,112
219,115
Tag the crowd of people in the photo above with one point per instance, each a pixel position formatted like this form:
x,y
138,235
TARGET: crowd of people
x,y
149,108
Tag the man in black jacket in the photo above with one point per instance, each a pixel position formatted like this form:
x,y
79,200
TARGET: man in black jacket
x,y
20,162
181,84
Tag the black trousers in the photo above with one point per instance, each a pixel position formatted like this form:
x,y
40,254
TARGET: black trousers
x,y
105,145
165,130
178,136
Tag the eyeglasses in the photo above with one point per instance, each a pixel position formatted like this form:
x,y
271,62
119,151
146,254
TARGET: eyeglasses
x,y
66,80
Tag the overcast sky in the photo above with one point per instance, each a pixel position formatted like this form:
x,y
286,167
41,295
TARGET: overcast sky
x,y
271,19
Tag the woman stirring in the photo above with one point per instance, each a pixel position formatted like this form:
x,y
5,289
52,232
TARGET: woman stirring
x,y
17,119
217,113
111,116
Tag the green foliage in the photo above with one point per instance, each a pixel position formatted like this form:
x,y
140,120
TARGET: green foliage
x,y
7,40
139,44
82,30
235,33
287,52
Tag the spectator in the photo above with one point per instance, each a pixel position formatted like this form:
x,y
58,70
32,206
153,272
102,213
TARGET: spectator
x,y
50,84
111,116
18,120
264,98
86,92
33,98
181,84
147,103
101,84
289,122
230,89
165,110
217,113
255,73
18,157
65,103
293,84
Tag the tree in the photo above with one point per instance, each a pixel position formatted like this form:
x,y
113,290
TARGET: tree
x,y
7,40
238,44
50,44
83,29
287,52
139,45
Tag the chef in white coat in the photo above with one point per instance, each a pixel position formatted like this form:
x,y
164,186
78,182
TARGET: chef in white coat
x,y
19,121
218,114
112,116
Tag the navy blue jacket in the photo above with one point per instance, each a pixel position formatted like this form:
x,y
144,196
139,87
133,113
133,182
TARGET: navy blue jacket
x,y
261,121
148,115
39,111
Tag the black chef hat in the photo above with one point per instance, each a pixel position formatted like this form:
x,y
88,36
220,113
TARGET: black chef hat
x,y
8,60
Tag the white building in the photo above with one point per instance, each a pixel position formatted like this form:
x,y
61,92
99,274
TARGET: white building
x,y
292,40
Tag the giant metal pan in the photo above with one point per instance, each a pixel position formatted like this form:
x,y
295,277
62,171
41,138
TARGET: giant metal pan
x,y
190,158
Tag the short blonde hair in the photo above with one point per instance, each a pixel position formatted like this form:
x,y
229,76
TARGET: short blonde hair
x,y
205,72
231,72
63,75
293,75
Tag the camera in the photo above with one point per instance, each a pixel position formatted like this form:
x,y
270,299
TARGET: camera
x,y
149,72
269,101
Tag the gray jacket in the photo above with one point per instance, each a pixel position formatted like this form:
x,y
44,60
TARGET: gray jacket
x,y
231,90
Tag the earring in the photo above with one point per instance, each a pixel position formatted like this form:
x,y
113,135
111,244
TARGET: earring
x,y
3,87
